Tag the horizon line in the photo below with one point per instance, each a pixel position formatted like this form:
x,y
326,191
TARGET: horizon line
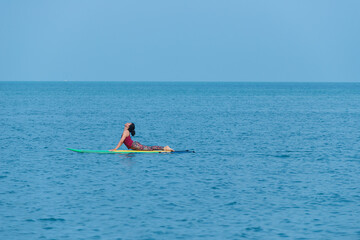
x,y
186,81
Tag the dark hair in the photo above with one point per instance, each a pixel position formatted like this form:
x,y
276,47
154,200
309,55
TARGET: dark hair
x,y
132,129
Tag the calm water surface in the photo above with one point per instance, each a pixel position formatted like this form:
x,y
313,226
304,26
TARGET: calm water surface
x,y
272,161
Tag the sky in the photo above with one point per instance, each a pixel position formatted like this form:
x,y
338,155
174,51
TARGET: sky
x,y
180,40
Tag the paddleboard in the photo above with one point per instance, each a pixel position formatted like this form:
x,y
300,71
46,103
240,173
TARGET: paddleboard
x,y
124,151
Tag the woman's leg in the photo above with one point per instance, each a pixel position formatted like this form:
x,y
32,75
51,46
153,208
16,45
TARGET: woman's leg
x,y
157,148
138,146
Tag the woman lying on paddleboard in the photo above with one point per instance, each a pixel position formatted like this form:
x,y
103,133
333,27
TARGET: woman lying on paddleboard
x,y
130,144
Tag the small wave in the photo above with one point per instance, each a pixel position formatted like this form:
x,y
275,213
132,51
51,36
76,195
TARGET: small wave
x,y
283,156
52,219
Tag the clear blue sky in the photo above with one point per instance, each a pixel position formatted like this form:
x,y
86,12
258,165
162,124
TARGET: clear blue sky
x,y
180,40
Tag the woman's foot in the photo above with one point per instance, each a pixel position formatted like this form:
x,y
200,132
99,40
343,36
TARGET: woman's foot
x,y
167,148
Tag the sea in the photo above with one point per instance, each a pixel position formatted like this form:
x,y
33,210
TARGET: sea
x,y
271,161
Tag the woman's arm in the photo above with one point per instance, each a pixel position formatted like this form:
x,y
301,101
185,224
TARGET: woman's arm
x,y
125,134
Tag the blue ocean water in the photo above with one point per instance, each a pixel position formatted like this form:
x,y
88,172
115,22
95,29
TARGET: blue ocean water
x,y
272,161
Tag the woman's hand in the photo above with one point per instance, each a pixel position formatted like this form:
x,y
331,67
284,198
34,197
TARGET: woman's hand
x,y
113,149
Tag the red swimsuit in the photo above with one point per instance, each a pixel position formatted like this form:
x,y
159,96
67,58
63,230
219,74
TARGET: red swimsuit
x,y
128,142
137,146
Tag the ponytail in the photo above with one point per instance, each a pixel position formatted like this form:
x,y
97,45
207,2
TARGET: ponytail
x,y
132,129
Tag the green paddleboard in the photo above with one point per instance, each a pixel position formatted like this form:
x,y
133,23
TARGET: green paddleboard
x,y
122,151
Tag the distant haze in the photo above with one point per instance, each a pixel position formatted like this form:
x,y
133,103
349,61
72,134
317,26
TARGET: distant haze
x,y
180,40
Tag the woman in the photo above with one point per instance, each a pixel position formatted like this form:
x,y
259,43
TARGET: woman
x,y
130,144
